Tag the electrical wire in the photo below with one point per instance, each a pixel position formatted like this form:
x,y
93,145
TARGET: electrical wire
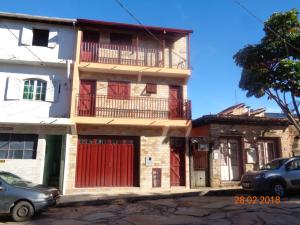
x,y
145,28
262,22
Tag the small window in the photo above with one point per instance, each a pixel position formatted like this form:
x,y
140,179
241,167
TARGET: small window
x,y
151,88
18,146
34,89
40,37
120,39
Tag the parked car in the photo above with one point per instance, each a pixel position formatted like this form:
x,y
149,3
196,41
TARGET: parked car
x,y
276,177
22,199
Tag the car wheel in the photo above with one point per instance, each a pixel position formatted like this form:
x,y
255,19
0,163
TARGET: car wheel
x,y
22,211
278,189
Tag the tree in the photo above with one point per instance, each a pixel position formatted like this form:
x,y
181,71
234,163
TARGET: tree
x,y
272,67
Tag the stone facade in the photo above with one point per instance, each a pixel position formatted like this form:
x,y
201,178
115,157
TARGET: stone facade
x,y
248,136
154,142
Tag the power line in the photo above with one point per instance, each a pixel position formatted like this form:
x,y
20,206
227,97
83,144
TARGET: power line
x,y
262,22
145,28
35,55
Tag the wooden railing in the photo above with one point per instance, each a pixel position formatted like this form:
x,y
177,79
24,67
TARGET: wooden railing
x,y
121,54
133,107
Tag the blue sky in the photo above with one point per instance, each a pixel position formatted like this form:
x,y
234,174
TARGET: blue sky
x,y
220,27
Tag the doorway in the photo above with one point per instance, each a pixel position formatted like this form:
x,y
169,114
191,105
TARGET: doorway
x,y
53,158
175,102
177,161
229,149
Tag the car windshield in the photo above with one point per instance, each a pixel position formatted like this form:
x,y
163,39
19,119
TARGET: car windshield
x,y
274,164
12,179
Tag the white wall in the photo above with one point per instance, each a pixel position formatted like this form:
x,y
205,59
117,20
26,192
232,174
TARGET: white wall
x,y
26,109
12,48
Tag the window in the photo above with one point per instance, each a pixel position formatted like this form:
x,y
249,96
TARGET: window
x,y
151,88
294,165
119,90
40,37
120,39
18,146
34,89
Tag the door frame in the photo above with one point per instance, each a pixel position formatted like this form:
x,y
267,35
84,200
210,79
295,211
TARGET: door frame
x,y
92,111
183,161
179,101
241,155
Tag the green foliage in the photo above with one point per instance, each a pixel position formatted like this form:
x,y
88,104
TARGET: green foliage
x,y
274,63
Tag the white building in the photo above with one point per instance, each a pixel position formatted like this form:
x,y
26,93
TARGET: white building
x,y
36,54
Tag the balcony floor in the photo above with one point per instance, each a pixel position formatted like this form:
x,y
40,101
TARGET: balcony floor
x,y
130,121
133,70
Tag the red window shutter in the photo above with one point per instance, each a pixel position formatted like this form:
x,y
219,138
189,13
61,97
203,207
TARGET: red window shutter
x,y
151,88
118,89
124,90
112,89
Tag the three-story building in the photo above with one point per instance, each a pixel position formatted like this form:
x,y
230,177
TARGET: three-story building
x,y
36,56
130,108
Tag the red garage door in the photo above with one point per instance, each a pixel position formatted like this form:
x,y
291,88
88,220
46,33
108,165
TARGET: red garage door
x,y
105,161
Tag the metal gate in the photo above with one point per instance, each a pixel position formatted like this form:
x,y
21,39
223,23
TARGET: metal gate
x,y
106,161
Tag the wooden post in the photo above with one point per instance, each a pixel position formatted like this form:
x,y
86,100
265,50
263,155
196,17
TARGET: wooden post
x,y
189,51
137,49
163,51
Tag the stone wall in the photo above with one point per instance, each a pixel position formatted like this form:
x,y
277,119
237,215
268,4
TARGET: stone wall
x,y
249,135
154,142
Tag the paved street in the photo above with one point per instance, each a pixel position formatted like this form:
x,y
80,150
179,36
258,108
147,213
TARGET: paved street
x,y
217,210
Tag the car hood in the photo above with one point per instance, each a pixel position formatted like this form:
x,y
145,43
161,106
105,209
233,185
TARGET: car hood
x,y
36,187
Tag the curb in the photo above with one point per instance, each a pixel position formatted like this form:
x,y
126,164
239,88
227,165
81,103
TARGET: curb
x,y
123,200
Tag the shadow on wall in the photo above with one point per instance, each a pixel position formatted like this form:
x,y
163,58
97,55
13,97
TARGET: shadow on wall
x,y
58,88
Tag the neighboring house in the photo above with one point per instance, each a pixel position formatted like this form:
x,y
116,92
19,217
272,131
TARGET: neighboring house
x,y
129,105
35,63
236,140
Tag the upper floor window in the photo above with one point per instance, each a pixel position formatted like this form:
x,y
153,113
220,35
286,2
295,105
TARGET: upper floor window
x,y
40,37
35,90
18,146
120,39
118,89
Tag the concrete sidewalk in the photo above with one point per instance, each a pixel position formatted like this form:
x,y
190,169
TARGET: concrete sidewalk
x,y
117,197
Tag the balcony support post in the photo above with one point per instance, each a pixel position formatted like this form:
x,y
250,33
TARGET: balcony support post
x,y
137,48
163,51
189,51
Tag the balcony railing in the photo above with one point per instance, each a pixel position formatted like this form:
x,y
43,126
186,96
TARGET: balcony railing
x,y
133,107
121,54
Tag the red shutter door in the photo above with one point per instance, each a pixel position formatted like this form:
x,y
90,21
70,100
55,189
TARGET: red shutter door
x,y
175,102
177,161
89,51
104,161
87,98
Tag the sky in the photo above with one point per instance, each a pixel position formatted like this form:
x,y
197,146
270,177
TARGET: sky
x,y
220,27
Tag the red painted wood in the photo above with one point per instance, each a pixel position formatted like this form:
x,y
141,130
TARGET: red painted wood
x,y
86,104
177,161
111,162
175,102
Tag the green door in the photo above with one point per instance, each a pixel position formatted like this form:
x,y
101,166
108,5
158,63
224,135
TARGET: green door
x,y
52,160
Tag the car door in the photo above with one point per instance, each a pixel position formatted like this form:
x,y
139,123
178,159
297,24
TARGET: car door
x,y
4,202
292,174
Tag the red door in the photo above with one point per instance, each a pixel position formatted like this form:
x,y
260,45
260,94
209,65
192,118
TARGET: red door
x,y
105,161
87,98
177,161
175,102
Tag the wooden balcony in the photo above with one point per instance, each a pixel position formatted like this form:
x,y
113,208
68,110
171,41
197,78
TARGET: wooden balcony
x,y
121,54
134,107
